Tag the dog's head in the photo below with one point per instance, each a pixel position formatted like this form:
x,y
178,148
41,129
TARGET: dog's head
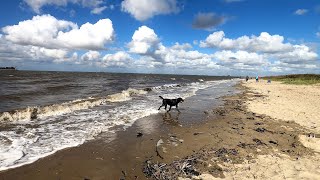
x,y
180,100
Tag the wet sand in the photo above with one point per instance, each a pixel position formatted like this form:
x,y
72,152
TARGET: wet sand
x,y
231,141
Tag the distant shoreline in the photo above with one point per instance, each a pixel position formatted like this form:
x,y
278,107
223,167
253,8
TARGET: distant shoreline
x,y
8,68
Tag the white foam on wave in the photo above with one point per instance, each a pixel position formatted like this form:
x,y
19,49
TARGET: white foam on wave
x,y
18,152
49,137
28,141
172,91
125,95
67,107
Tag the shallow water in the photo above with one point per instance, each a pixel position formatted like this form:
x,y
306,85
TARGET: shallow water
x,y
43,112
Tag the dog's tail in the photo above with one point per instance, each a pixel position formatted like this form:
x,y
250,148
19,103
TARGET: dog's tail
x,y
161,97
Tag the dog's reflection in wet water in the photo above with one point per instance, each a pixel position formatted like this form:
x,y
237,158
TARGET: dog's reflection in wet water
x,y
172,119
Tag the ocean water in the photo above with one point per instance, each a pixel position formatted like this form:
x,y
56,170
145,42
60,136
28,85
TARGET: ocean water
x,y
43,112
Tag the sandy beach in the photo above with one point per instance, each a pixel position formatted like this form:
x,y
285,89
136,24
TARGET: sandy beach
x,y
267,131
293,104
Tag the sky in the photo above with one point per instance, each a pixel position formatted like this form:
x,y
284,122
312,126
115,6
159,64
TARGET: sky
x,y
202,37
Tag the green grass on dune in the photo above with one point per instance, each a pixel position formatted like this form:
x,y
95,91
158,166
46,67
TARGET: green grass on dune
x,y
299,79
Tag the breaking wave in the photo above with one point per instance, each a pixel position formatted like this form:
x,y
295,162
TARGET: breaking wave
x,y
125,95
68,107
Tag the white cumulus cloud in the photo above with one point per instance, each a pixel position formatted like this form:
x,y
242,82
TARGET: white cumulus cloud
x,y
38,52
145,9
90,56
300,54
179,46
15,52
146,43
88,36
119,59
241,60
260,52
264,43
143,41
49,32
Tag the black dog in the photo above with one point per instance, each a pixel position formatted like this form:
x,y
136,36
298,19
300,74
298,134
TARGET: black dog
x,y
170,102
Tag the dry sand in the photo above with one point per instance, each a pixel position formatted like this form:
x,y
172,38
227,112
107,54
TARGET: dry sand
x,y
297,103
241,140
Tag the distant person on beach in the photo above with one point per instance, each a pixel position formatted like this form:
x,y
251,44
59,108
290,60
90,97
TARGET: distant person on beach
x,y
257,78
247,78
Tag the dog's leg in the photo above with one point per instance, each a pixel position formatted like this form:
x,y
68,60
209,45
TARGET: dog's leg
x,y
177,108
165,107
161,106
169,109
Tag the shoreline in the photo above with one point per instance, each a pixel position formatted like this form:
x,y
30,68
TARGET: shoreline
x,y
230,142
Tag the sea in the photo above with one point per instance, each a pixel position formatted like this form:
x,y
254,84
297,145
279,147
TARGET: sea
x,y
44,112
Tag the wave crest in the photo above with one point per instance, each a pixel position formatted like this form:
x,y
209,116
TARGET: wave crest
x,y
125,95
30,113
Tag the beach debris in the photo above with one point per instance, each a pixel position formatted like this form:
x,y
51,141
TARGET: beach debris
x,y
124,173
220,112
294,144
191,166
313,135
258,141
184,167
139,134
245,145
159,143
261,130
260,116
273,142
154,170
197,133
223,152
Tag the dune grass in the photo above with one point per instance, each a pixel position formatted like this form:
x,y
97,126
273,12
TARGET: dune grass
x,y
298,79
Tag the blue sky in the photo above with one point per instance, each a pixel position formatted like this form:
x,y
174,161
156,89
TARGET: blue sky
x,y
211,37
